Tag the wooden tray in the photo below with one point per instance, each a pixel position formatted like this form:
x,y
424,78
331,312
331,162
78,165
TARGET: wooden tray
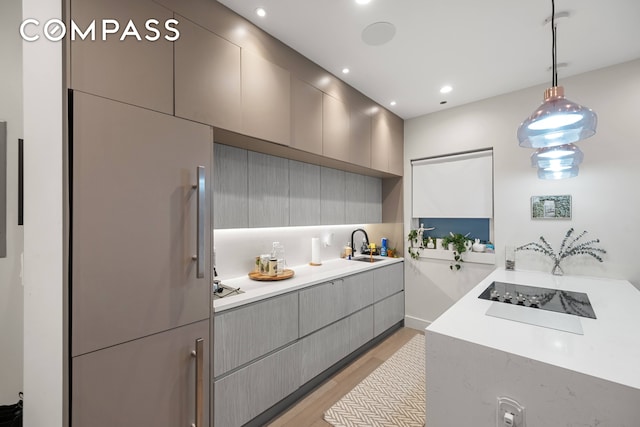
x,y
286,274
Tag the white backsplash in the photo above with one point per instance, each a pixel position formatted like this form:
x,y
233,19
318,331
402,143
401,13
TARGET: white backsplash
x,y
236,249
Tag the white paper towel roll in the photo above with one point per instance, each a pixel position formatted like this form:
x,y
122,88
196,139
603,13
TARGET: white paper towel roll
x,y
315,251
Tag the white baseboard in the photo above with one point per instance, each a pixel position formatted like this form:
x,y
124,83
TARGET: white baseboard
x,y
415,323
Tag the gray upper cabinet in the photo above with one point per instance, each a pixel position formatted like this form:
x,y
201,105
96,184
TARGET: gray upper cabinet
x,y
306,117
135,222
304,193
131,71
360,130
332,196
230,187
266,99
387,138
355,203
207,78
373,200
335,128
268,190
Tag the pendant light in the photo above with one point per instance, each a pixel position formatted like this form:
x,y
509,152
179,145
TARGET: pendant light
x,y
557,121
557,162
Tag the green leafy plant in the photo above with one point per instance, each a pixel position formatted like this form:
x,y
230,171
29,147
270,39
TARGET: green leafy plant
x,y
412,238
459,247
568,247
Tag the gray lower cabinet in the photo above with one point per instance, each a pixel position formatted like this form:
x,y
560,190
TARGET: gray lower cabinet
x,y
304,193
357,291
246,333
387,313
268,190
247,392
145,382
321,305
230,189
360,328
388,281
322,349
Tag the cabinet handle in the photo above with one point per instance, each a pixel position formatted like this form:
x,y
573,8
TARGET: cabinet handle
x,y
202,209
198,353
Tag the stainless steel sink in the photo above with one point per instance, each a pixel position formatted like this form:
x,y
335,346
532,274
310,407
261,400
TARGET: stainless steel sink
x,y
366,259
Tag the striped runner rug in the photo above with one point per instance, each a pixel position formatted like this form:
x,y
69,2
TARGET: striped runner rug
x,y
392,395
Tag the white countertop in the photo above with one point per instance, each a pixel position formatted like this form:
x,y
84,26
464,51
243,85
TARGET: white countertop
x,y
305,275
609,348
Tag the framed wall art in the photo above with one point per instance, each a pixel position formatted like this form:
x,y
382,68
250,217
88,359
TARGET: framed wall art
x,y
551,207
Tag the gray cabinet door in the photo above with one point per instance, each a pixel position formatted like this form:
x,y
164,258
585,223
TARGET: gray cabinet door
x,y
266,99
322,349
246,333
146,382
332,196
373,200
207,77
136,72
388,280
306,117
360,328
230,187
387,142
358,291
246,393
134,222
335,128
355,198
387,313
268,190
304,193
321,305
396,147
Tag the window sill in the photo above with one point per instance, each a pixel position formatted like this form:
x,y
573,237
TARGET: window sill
x,y
472,257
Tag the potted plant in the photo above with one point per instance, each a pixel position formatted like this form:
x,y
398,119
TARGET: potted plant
x,y
458,241
412,238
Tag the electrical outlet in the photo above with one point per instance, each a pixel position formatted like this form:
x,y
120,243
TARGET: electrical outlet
x,y
508,405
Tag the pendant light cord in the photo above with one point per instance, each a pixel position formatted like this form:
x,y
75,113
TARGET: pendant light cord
x,y
554,77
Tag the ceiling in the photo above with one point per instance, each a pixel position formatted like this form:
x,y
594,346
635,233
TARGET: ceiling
x,y
480,48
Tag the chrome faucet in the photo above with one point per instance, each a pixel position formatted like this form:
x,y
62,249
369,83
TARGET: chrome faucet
x,y
366,238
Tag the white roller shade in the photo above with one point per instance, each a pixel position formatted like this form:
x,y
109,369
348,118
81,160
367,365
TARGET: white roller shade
x,y
456,186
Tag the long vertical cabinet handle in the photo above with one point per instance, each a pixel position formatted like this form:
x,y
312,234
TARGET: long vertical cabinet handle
x,y
202,209
199,355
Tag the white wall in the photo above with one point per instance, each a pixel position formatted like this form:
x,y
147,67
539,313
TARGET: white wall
x,y
44,291
604,195
11,291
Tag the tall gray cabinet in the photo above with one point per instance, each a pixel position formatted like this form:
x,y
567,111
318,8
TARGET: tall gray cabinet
x,y
140,266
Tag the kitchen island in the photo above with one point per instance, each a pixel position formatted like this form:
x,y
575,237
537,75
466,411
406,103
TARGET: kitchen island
x,y
588,377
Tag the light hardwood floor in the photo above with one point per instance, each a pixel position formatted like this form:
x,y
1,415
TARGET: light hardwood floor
x,y
308,411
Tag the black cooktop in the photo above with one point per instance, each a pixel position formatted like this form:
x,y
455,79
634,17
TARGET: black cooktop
x,y
569,302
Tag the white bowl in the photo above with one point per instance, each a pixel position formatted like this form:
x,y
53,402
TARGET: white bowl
x,y
479,247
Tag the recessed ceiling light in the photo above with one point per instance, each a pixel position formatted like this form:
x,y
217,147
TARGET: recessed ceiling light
x,y
363,1
392,103
446,89
345,70
261,12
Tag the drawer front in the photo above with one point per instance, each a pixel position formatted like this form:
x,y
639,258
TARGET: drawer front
x,y
321,305
388,280
358,290
246,393
387,313
251,331
360,328
322,349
